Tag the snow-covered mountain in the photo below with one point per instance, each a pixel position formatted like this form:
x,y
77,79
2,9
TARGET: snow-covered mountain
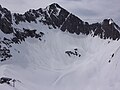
x,y
52,49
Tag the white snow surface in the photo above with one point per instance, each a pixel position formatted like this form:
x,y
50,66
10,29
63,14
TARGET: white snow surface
x,y
43,65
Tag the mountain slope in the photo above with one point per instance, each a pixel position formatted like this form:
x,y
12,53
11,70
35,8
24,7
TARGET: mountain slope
x,y
39,50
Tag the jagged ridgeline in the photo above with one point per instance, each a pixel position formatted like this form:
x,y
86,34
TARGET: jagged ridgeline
x,y
60,18
53,16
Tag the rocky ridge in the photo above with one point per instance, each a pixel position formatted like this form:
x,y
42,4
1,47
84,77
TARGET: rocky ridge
x,y
54,16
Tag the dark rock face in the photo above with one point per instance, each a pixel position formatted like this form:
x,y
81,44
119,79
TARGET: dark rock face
x,y
5,20
18,37
5,80
73,25
57,17
5,54
73,53
106,30
110,30
60,18
57,14
9,81
18,18
54,16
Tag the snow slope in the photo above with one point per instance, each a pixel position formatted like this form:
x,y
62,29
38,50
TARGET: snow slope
x,y
44,65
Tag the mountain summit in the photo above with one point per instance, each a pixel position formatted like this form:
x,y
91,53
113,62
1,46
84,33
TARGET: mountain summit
x,y
46,49
57,17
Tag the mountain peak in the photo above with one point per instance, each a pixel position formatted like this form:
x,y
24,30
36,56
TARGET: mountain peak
x,y
55,4
35,42
57,17
111,21
108,21
5,20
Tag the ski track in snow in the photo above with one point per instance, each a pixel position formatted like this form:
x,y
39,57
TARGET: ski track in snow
x,y
43,65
